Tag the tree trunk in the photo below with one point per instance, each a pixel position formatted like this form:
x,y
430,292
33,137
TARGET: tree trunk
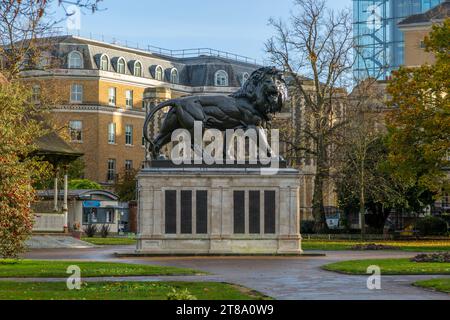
x,y
320,222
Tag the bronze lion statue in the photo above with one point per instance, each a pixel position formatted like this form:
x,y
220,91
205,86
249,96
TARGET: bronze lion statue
x,y
263,94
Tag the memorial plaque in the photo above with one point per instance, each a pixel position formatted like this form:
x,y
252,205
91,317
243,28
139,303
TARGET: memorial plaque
x,y
171,211
186,211
269,211
202,212
239,211
254,212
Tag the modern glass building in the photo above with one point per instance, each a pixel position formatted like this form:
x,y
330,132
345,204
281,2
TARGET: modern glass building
x,y
379,42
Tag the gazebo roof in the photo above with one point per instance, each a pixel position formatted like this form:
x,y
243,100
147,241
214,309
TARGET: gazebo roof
x,y
55,150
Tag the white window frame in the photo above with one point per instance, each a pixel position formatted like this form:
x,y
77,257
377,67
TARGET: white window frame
x,y
76,93
221,78
159,73
112,133
112,94
174,76
128,165
111,172
72,62
109,216
104,56
137,66
119,65
129,135
76,130
129,99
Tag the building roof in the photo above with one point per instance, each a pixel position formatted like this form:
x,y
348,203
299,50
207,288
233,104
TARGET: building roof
x,y
80,194
439,12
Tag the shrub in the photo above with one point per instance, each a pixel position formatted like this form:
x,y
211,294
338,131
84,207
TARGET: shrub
x,y
432,257
90,230
83,184
431,226
104,231
180,295
307,226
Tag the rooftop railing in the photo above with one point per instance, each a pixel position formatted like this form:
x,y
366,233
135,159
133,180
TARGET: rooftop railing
x,y
180,53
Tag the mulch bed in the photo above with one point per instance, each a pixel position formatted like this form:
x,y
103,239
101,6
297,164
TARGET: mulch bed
x,y
373,246
432,257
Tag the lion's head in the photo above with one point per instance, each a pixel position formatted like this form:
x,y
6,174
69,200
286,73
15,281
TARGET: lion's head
x,y
266,89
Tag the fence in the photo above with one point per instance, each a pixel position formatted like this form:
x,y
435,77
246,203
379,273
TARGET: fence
x,y
48,222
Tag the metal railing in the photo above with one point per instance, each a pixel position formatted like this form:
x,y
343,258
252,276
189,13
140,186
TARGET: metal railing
x,y
179,53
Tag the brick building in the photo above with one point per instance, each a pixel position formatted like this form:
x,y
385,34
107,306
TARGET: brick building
x,y
97,91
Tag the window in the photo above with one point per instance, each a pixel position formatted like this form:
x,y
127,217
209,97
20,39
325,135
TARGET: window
x,y
137,69
104,63
75,60
159,73
128,134
111,174
109,216
245,77
128,165
36,95
129,99
174,76
221,78
422,44
112,133
76,130
112,96
76,93
121,65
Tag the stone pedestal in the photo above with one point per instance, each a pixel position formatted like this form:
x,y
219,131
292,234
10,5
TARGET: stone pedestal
x,y
204,210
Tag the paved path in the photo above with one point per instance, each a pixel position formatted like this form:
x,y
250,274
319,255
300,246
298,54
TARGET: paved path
x,y
279,277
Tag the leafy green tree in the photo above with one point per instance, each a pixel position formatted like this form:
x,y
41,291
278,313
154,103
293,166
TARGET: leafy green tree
x,y
125,187
419,125
83,184
18,169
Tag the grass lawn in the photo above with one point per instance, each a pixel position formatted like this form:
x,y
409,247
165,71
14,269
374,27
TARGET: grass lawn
x,y
57,269
389,266
124,291
118,241
411,245
442,285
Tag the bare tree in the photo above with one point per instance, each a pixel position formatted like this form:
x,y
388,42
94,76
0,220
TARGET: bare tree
x,y
316,43
25,30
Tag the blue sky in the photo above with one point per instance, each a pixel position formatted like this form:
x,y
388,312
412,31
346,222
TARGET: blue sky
x,y
238,26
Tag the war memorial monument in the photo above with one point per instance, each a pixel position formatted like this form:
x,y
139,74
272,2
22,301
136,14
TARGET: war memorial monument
x,y
224,189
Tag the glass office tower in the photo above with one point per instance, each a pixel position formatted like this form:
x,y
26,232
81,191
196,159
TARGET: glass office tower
x,y
379,42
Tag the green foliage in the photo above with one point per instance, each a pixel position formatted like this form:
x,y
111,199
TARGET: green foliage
x,y
432,226
176,294
419,125
125,187
83,184
90,230
104,231
18,169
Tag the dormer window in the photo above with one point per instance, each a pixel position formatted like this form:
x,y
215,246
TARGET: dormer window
x,y
159,73
75,60
245,77
121,66
137,69
221,78
104,62
174,76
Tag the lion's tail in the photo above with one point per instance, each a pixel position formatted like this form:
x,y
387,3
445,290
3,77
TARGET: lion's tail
x,y
152,113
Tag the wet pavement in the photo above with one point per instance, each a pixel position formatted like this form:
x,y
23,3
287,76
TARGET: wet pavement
x,y
279,277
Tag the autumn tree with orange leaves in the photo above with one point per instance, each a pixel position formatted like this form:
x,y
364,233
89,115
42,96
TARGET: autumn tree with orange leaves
x,y
419,125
